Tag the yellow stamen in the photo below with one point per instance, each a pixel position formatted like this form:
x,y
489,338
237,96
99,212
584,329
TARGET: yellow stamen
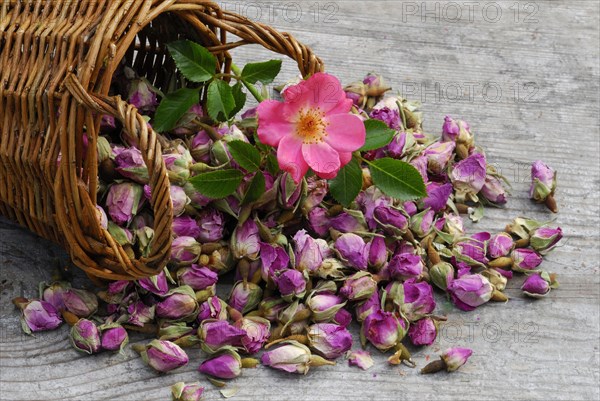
x,y
311,125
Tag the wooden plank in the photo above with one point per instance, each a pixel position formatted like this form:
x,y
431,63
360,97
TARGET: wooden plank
x,y
525,349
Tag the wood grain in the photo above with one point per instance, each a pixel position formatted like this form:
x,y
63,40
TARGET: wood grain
x,y
525,349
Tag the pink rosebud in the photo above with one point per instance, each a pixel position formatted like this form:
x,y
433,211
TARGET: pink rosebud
x,y
257,331
164,356
178,304
544,239
37,315
347,222
270,308
81,303
85,337
455,357
418,299
156,284
395,149
423,332
438,155
187,392
405,266
420,163
470,291
245,297
450,129
437,196
179,199
213,308
123,201
54,294
200,146
410,208
473,250
493,190
391,220
291,283
292,357
309,252
368,200
383,329
142,95
316,191
421,223
178,165
210,223
227,364
324,305
197,199
352,251
360,358
391,117
318,221
500,245
185,251
130,164
274,259
114,337
359,286
140,314
196,276
367,307
525,260
320,132
245,241
378,253
543,181
185,226
468,175
343,318
329,340
538,285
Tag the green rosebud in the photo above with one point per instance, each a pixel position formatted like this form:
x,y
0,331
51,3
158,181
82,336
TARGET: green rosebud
x,y
494,277
544,239
187,392
522,226
85,337
441,274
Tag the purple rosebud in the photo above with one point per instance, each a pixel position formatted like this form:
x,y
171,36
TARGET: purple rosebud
x,y
395,149
211,223
493,190
250,113
418,299
468,175
130,164
360,358
291,283
245,297
54,294
216,334
197,199
318,221
359,286
245,240
352,251
525,260
185,226
391,117
37,315
140,313
329,340
410,208
196,276
383,329
178,165
423,332
179,199
437,196
123,201
227,364
455,357
316,192
438,155
538,285
544,239
156,284
292,357
348,222
470,291
421,223
324,305
200,147
473,250
367,307
343,318
142,95
164,356
368,200
187,392
420,163
391,220
213,308
81,303
450,129
500,245
178,304
85,336
185,251
543,181
404,266
309,252
274,259
378,253
114,337
289,192
257,332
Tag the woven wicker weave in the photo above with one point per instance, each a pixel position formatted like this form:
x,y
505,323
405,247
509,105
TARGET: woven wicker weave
x,y
57,59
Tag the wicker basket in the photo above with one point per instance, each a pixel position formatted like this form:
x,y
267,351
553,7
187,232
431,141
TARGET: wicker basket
x,y
57,59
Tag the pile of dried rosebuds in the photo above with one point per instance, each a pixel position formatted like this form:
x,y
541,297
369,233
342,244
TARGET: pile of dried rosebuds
x,y
328,207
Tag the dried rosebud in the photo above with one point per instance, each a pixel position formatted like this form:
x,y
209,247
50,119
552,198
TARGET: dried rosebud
x,y
292,357
187,392
185,251
544,239
438,155
102,217
142,95
538,285
473,250
270,308
423,331
329,340
368,200
121,235
522,227
37,315
291,283
468,175
123,201
213,308
114,337
454,225
200,146
493,190
215,334
289,194
421,224
316,191
179,304
324,306
470,291
197,199
156,284
179,199
383,329
441,274
342,317
274,259
418,299
359,286
437,196
378,253
420,163
257,332
85,336
164,356
391,117
227,364
360,358
211,223
455,357
172,331
178,165
245,297
130,164
185,226
352,251
367,307
391,220
543,181
309,253
525,260
499,245
405,266
348,221
450,129
81,303
495,277
196,276
140,313
245,240
54,293
318,221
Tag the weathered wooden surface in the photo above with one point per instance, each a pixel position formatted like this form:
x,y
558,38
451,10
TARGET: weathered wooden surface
x,y
525,349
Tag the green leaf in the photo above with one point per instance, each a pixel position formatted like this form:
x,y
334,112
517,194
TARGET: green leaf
x,y
397,179
273,164
347,184
245,154
173,107
217,184
255,189
378,135
264,72
219,100
239,97
194,61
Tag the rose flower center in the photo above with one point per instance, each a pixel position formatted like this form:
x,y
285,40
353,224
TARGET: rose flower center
x,y
311,125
